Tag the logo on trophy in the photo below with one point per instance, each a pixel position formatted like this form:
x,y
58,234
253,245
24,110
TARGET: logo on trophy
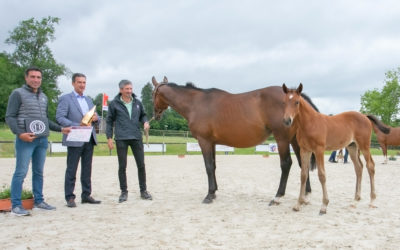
x,y
38,126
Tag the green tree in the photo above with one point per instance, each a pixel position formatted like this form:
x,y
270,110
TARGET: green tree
x,y
11,77
384,104
31,38
98,101
147,99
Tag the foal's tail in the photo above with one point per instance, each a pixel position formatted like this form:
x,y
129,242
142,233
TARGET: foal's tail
x,y
377,124
313,162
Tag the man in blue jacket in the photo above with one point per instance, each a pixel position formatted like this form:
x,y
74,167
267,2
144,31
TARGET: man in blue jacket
x,y
125,113
27,117
70,111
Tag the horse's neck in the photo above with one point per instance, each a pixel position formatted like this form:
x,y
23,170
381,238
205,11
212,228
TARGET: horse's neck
x,y
178,99
306,113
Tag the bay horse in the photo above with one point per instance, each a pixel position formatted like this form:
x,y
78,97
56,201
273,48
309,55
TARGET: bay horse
x,y
316,132
239,120
391,138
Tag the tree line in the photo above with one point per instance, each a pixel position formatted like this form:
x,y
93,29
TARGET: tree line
x,y
31,38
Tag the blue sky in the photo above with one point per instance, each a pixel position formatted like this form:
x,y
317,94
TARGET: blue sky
x,y
337,49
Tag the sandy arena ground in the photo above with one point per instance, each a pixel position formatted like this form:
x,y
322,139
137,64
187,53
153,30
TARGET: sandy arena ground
x,y
239,218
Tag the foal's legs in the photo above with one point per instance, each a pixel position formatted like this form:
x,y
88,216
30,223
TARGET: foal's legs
x,y
358,167
296,149
371,171
208,150
305,162
286,163
319,154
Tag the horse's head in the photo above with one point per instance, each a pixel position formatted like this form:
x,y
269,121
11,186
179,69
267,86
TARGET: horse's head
x,y
291,103
159,102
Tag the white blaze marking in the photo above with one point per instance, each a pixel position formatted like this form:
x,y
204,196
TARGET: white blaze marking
x,y
291,96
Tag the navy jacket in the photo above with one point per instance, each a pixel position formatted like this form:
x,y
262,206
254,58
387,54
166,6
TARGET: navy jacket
x,y
120,124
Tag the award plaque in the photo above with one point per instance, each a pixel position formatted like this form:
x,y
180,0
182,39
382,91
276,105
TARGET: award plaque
x,y
38,126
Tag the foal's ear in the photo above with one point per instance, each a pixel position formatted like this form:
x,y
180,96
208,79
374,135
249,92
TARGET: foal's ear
x,y
299,89
165,80
154,81
285,89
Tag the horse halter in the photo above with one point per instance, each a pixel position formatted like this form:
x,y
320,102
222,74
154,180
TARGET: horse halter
x,y
154,97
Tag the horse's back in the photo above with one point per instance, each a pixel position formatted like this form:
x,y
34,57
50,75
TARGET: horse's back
x,y
240,120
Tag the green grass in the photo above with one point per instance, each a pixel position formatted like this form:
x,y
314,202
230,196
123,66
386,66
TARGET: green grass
x,y
175,145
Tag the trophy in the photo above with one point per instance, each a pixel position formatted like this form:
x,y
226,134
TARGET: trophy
x,y
88,117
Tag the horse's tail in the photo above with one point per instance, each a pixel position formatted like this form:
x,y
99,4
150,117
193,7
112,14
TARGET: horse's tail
x,y
377,124
313,162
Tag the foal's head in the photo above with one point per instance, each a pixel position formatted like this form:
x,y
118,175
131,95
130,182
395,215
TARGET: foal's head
x,y
159,102
292,104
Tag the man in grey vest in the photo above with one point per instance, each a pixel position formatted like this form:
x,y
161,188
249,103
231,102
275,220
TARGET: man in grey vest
x,y
27,117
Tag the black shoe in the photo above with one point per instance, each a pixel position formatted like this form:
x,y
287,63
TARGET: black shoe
x,y
145,195
90,200
123,197
333,161
71,203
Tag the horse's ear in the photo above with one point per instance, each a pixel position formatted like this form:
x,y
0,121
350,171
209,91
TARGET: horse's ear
x,y
299,89
285,89
154,81
165,80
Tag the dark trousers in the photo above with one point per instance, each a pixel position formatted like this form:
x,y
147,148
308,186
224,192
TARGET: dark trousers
x,y
85,154
138,153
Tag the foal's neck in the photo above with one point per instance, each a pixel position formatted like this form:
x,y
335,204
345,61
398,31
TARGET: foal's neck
x,y
306,112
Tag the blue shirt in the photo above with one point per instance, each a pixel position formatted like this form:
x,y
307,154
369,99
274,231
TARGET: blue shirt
x,y
82,102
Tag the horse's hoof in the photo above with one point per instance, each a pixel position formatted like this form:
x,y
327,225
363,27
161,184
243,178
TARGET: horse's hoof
x,y
273,202
322,212
372,206
296,209
207,201
209,198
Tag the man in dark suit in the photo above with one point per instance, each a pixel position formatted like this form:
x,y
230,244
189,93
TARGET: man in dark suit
x,y
70,110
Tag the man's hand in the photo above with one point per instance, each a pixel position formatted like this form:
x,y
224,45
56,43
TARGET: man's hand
x,y
27,137
110,143
66,130
95,118
146,126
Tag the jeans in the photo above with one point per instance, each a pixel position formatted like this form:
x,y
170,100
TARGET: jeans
x,y
25,151
138,153
333,156
346,155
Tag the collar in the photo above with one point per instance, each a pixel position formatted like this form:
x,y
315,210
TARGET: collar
x,y
122,100
30,89
78,95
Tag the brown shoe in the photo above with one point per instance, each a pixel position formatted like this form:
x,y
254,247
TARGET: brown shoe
x,y
71,203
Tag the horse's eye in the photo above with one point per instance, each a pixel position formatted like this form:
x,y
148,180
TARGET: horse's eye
x,y
297,103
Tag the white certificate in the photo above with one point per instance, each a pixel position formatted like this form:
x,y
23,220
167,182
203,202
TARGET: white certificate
x,y
80,133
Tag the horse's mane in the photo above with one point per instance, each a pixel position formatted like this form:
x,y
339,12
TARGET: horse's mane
x,y
190,85
308,99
